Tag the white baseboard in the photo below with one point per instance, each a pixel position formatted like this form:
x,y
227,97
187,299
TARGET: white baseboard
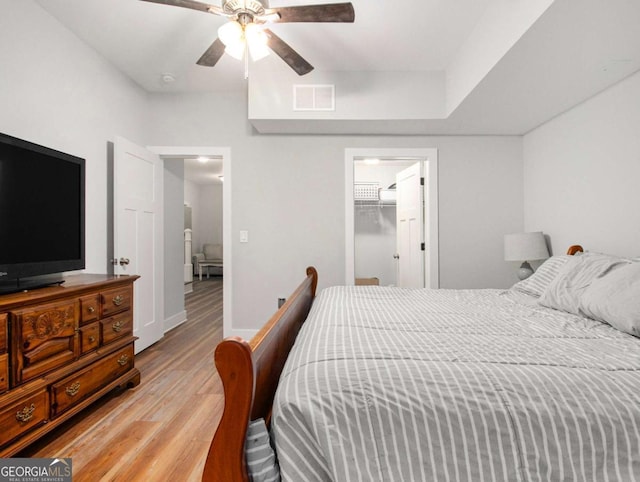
x,y
175,320
188,288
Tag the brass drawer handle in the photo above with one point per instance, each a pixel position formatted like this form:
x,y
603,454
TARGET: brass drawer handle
x,y
117,326
118,300
72,389
91,309
26,413
92,339
122,361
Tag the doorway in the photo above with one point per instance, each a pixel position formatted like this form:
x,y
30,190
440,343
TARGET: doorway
x,y
203,185
370,225
375,220
224,154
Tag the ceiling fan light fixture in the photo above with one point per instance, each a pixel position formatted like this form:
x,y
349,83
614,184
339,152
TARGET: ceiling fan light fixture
x,y
233,36
258,51
231,33
236,50
257,41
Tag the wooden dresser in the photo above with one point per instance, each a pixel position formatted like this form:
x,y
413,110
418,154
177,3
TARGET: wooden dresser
x,y
61,348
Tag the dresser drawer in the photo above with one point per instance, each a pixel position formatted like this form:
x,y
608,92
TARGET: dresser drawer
x,y
4,372
89,337
3,332
22,416
89,308
45,338
116,327
77,387
115,301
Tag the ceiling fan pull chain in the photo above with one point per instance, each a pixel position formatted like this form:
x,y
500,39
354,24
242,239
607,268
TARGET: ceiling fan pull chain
x,y
246,61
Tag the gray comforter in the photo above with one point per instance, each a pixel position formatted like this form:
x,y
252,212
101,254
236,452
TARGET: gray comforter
x,y
388,384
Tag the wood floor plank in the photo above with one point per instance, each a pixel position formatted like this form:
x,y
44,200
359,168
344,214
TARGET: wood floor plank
x,y
157,457
162,429
117,452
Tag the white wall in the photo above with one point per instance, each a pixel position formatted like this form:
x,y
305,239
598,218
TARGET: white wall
x,y
192,198
57,92
582,172
174,311
206,205
358,95
210,214
288,192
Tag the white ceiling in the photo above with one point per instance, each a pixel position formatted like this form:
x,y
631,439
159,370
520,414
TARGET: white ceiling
x,y
576,49
203,173
146,40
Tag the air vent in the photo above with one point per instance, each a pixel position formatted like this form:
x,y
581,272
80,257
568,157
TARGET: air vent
x,y
313,97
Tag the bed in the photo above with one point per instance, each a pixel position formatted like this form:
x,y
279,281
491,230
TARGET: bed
x,y
393,384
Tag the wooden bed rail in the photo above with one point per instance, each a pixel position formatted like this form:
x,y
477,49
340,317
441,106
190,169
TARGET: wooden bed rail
x,y
250,372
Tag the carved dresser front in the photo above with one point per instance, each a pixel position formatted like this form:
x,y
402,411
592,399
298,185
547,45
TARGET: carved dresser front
x,y
61,348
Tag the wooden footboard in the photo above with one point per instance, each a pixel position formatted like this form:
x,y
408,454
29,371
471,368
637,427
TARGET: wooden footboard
x,y
250,372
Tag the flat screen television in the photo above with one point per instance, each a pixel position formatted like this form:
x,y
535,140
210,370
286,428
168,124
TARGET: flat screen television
x,y
42,214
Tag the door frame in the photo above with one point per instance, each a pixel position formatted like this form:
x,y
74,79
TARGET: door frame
x,y
225,153
430,158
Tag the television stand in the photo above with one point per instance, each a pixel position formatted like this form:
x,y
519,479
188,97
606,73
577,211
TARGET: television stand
x,y
61,348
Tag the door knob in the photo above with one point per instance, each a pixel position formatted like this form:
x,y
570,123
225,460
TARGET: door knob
x,y
124,261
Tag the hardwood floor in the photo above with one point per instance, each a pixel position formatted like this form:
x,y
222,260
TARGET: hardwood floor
x,y
162,429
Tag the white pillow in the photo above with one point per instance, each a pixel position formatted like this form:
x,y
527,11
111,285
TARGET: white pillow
x,y
535,284
564,292
615,299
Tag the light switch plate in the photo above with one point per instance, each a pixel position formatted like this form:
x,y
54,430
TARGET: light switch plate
x,y
244,236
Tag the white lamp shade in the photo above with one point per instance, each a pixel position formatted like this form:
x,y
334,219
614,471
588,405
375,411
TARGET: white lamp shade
x,y
525,246
231,33
257,41
235,50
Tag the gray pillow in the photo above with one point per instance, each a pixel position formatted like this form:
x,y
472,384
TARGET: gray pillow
x,y
535,284
578,273
615,299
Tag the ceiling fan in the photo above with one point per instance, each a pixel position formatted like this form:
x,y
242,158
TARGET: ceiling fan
x,y
245,29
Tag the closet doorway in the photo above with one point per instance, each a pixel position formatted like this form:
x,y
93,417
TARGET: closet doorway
x,y
391,213
376,256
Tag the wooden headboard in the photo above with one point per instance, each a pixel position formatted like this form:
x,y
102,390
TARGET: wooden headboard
x,y
250,372
576,248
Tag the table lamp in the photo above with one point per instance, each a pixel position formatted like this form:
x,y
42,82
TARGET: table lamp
x,y
525,247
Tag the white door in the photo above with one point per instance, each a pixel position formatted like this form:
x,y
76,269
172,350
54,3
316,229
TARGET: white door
x,y
138,234
410,227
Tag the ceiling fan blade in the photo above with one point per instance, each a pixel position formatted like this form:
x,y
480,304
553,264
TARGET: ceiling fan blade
x,y
292,58
212,54
331,12
192,4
